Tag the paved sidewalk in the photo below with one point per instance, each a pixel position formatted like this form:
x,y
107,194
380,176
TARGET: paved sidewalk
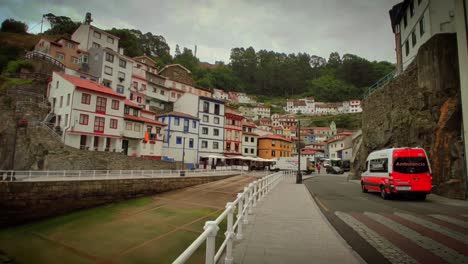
x,y
288,227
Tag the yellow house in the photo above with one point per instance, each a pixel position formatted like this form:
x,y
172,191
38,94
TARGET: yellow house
x,y
274,146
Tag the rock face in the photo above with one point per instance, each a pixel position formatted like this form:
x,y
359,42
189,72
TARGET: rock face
x,y
421,108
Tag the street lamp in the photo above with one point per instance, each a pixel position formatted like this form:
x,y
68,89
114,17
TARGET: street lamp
x,y
299,174
182,172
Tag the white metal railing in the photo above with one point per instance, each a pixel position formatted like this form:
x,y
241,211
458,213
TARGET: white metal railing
x,y
82,175
245,202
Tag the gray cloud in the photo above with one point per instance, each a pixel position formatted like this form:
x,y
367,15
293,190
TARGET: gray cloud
x,y
317,27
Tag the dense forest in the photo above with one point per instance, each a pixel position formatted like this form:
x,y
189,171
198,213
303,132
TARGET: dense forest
x,y
262,72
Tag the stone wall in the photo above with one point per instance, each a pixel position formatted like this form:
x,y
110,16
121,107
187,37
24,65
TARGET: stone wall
x,y
26,201
421,108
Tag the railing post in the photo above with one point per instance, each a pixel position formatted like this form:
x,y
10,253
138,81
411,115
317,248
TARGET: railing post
x,y
94,174
229,233
107,174
255,193
29,175
246,205
250,204
211,241
240,217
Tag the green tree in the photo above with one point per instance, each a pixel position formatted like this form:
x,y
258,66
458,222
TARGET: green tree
x,y
14,26
60,25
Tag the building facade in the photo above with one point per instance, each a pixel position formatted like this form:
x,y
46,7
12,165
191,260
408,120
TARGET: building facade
x,y
274,146
233,133
249,139
92,37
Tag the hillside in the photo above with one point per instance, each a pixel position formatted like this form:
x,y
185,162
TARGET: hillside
x,y
344,121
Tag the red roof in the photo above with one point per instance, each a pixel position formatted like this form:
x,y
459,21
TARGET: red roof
x,y
249,124
271,136
233,116
308,151
148,111
249,133
132,104
179,114
90,85
144,119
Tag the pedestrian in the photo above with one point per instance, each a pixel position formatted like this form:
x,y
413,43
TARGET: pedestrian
x,y
318,168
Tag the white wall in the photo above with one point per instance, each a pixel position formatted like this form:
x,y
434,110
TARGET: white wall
x,y
249,145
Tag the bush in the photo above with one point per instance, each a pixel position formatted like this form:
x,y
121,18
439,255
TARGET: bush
x,y
14,26
16,66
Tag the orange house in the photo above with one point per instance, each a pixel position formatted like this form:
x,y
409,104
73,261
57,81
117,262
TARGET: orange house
x,y
64,50
274,146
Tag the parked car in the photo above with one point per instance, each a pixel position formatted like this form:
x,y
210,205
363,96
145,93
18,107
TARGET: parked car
x,y
398,171
334,170
346,164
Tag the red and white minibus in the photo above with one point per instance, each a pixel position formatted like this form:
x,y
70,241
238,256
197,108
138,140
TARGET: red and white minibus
x,y
398,170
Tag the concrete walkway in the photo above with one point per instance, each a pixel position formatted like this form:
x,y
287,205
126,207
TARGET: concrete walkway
x,y
288,227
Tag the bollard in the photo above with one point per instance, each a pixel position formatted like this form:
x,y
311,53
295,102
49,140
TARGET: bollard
x,y
211,241
229,233
239,216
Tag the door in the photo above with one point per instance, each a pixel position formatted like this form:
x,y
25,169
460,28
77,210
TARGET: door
x,y
96,143
125,146
108,142
83,141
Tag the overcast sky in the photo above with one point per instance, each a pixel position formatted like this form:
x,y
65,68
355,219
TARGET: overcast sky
x,y
318,27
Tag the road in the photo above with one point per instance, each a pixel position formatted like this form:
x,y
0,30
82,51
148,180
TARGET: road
x,y
401,230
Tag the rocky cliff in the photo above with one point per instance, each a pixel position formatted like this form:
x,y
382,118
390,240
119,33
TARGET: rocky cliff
x,y
421,108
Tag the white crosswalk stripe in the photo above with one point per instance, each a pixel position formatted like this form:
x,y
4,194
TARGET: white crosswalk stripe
x,y
385,247
441,229
435,247
451,220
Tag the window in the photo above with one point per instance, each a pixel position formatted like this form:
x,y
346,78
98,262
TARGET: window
x,y
101,105
121,76
86,99
57,85
177,121
70,45
194,124
421,26
216,120
216,109
115,104
135,112
216,132
60,56
186,125
110,40
96,45
113,123
205,131
204,144
206,107
190,143
246,139
128,126
61,101
407,48
84,119
66,120
84,58
246,150
205,118
273,143
137,127
99,124
120,89
413,38
215,145
251,151
179,140
75,60
379,165
143,86
123,63
410,165
139,99
252,139
411,8
273,153
109,57
106,83
108,70
97,34
68,99
405,20
162,92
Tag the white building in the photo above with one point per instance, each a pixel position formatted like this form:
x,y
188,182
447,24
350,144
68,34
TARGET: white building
x,y
181,129
113,68
247,112
210,111
92,37
220,94
243,98
304,106
261,111
416,21
249,140
87,114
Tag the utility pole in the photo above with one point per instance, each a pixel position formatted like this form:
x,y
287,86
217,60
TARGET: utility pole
x,y
299,174
182,172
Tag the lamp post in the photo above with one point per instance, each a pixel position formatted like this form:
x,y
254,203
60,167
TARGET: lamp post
x,y
182,172
299,174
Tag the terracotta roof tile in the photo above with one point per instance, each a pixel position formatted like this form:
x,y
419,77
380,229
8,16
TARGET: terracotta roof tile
x,y
90,85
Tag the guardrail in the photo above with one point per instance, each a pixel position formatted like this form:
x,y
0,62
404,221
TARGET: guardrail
x,y
244,203
82,175
46,57
380,83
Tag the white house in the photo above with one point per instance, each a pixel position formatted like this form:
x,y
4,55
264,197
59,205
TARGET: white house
x,y
249,140
210,111
416,21
113,68
243,98
92,37
303,106
261,111
181,137
220,94
87,115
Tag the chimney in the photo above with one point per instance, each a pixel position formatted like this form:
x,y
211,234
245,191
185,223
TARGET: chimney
x,y
121,51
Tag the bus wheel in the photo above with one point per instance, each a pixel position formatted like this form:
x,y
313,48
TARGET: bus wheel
x,y
383,193
364,190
